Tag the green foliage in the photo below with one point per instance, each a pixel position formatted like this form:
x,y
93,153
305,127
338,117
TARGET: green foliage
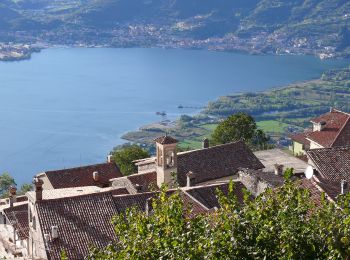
x,y
279,224
302,100
288,173
240,126
5,182
25,188
125,157
64,255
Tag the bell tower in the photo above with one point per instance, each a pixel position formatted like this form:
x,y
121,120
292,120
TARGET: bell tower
x,y
166,163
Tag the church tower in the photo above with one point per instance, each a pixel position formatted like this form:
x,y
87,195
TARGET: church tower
x,y
166,163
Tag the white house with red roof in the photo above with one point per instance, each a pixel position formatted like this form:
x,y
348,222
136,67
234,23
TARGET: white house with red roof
x,y
328,130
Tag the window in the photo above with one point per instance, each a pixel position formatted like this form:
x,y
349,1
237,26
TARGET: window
x,y
34,223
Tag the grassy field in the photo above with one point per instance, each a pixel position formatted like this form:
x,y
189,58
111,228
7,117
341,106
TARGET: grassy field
x,y
196,142
272,126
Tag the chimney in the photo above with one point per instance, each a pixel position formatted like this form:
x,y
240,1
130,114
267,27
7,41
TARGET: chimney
x,y
278,169
322,125
190,178
343,186
38,184
54,232
138,187
12,195
148,206
110,158
205,143
96,176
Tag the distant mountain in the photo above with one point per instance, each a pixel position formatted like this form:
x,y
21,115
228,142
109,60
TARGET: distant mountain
x,y
239,16
325,22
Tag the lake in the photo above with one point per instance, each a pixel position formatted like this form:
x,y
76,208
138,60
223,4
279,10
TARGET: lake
x,y
69,107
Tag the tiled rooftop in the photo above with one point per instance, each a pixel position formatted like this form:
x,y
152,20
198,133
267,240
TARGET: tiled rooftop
x,y
301,138
332,163
82,222
216,162
207,194
73,192
18,217
146,182
337,125
83,176
85,220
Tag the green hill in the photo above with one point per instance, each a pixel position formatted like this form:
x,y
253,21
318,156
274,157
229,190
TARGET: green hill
x,y
324,22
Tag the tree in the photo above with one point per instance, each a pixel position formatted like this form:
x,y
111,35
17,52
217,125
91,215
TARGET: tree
x,y
125,157
5,182
240,126
260,140
279,224
25,188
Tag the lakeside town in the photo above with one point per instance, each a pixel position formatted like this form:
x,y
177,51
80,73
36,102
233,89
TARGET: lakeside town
x,y
262,171
139,35
77,204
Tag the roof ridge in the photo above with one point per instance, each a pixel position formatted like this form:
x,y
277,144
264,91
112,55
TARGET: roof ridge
x,y
81,167
212,147
339,111
208,185
78,195
136,194
341,130
328,148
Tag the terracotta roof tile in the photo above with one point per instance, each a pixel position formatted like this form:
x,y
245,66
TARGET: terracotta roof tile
x,y
139,201
301,138
18,217
216,162
21,198
332,163
83,176
124,202
315,192
332,189
335,123
146,181
166,140
207,195
82,221
120,191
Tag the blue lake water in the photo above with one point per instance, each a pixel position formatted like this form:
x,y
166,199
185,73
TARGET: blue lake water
x,y
69,107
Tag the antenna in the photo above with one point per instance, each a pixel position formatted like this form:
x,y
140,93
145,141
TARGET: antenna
x,y
309,172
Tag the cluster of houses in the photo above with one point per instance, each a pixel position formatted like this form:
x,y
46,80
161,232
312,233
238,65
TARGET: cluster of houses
x,y
70,210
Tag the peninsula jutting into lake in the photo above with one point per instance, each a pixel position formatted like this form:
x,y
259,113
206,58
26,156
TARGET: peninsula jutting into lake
x,y
68,107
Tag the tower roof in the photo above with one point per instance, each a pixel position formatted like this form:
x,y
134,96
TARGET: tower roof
x,y
165,140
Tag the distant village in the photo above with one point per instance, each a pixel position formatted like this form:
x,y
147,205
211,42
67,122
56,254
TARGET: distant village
x,y
149,35
71,209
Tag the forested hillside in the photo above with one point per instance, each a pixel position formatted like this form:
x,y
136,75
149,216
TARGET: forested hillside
x,y
304,24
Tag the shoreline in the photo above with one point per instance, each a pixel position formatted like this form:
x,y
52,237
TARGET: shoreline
x,y
209,118
29,49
